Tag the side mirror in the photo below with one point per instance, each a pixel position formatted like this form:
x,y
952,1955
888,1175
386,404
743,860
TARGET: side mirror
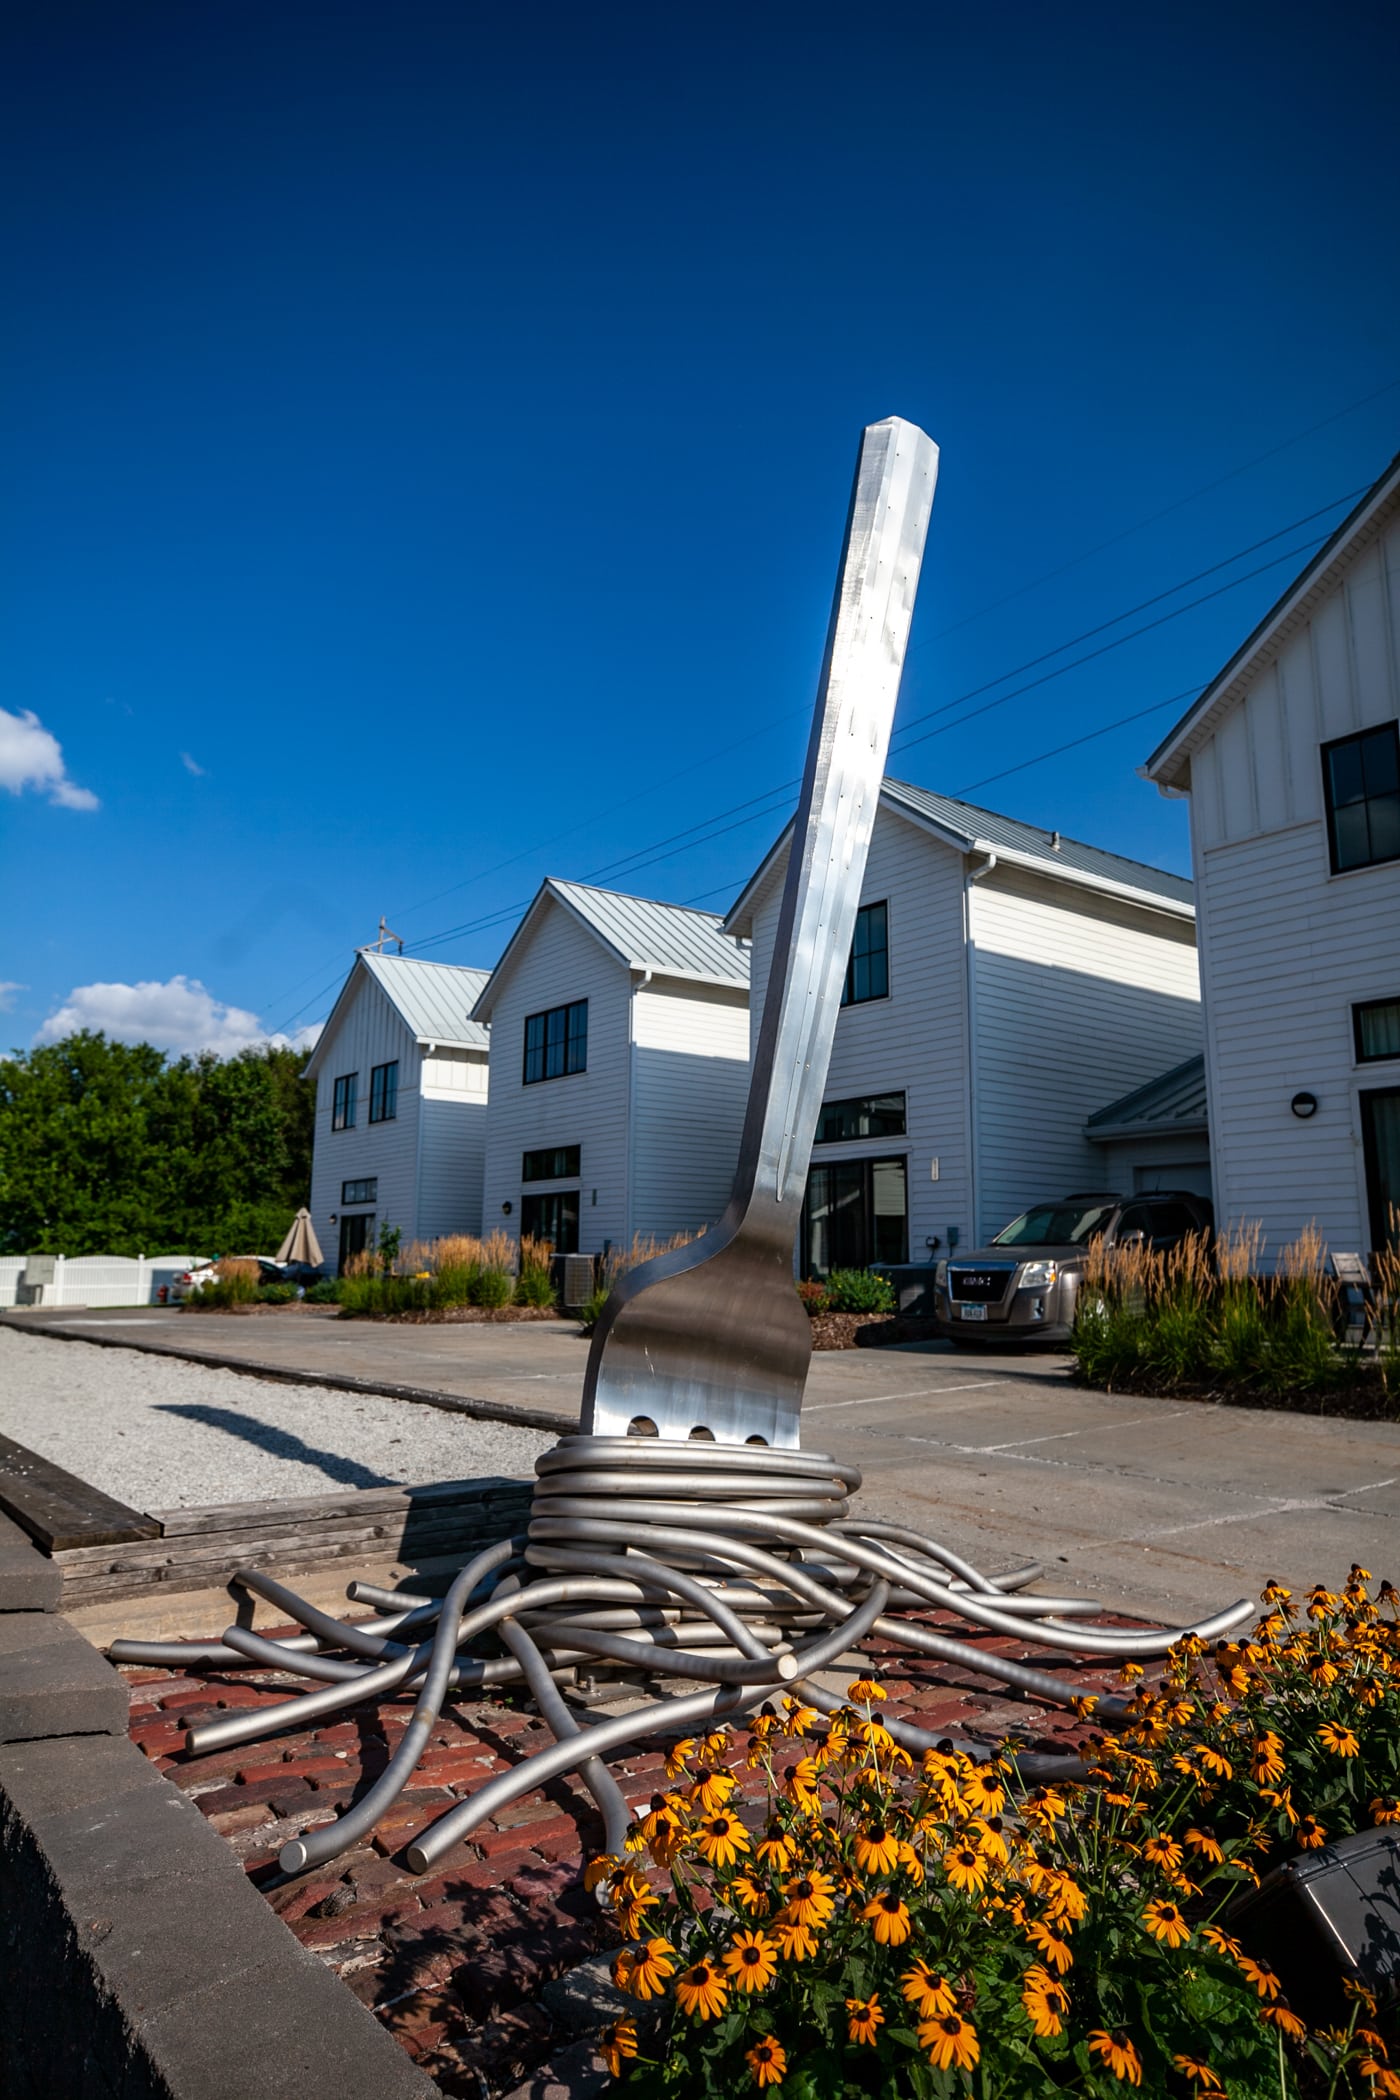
x,y
1133,1239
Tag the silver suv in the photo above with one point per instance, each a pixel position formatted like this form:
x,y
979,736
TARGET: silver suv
x,y
1022,1286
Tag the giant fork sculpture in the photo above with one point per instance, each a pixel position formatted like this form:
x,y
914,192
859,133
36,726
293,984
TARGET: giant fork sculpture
x,y
684,1534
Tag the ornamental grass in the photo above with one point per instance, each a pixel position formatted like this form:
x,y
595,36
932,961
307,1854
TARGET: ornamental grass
x,y
432,1276
938,1928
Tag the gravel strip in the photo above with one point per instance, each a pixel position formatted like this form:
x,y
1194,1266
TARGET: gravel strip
x,y
171,1435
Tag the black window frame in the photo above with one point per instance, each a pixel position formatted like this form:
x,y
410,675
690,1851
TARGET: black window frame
x,y
865,1165
1371,1006
367,1183
548,1208
865,1107
552,1163
866,954
345,1101
1377,1220
384,1092
1338,744
560,1048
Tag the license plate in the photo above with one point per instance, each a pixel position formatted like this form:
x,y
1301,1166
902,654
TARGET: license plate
x,y
972,1312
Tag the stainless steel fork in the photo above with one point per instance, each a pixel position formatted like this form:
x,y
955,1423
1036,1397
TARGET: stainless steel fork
x,y
711,1339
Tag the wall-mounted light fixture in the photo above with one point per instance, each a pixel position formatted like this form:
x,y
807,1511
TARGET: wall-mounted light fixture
x,y
506,1207
1304,1105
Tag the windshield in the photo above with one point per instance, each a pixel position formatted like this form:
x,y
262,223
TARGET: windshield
x,y
1056,1225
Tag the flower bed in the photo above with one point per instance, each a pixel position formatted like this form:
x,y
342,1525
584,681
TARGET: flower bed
x,y
885,1929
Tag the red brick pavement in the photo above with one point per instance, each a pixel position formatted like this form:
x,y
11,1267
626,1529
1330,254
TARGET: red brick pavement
x,y
453,1962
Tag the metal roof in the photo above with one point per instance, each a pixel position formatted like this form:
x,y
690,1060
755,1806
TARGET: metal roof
x,y
975,830
671,940
1169,764
1176,1101
434,1000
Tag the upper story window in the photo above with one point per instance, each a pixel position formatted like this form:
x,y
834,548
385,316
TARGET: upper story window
x,y
867,1116
556,1042
550,1163
384,1093
1377,1026
868,971
343,1104
1361,785
360,1191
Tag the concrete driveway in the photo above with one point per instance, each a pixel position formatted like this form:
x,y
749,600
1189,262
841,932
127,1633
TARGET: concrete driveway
x,y
1157,1503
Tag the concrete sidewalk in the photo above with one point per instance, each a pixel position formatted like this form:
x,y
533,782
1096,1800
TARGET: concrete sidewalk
x,y
1158,1503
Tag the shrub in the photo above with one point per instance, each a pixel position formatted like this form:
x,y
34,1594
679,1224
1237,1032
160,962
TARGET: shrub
x,y
536,1284
236,1282
859,1291
493,1287
276,1294
947,1929
816,1298
326,1292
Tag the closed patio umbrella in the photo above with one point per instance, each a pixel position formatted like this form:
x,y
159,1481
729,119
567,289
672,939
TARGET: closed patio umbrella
x,y
301,1243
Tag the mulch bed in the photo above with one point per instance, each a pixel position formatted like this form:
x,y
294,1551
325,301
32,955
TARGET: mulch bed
x,y
1367,1400
465,1316
454,1964
832,1330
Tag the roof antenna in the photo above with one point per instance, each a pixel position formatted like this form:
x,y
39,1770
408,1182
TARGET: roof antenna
x,y
385,934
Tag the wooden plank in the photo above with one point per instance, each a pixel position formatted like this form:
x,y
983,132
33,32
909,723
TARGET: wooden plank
x,y
244,1549
59,1510
314,1509
82,1586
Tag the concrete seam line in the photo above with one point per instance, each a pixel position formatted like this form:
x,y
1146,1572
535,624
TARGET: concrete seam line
x,y
338,1381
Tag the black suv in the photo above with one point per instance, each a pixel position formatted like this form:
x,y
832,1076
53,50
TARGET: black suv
x,y
1023,1286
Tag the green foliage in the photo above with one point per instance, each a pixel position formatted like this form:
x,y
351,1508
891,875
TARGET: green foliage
x,y
816,1298
326,1292
276,1294
859,1291
236,1283
110,1148
493,1287
591,1310
534,1288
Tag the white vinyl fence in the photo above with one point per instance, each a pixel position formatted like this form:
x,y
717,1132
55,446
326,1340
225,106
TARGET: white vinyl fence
x,y
96,1279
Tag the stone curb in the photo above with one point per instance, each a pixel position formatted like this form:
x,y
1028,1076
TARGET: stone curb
x,y
28,1581
418,1395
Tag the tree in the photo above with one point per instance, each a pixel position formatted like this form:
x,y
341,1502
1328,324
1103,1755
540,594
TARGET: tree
x,y
110,1148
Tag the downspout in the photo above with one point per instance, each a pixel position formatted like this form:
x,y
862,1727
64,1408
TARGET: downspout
x,y
629,1222
973,874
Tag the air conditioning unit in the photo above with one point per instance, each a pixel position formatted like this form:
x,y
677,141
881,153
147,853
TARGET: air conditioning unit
x,y
578,1280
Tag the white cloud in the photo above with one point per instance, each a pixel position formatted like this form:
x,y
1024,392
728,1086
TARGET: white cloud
x,y
179,1016
32,757
192,765
7,994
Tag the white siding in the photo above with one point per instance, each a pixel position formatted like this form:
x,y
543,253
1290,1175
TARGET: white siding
x,y
1135,1166
369,1032
690,1079
1078,999
451,1164
560,963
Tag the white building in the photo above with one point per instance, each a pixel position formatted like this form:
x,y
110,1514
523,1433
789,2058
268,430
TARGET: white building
x,y
619,1069
401,1083
1291,758
1004,984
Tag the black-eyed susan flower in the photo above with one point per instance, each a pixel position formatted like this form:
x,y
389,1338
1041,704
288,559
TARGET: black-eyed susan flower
x,y
701,1991
710,1793
1221,1941
928,1992
1311,1835
1214,1761
600,1869
864,1690
1163,1851
618,2043
1266,1759
810,1898
1261,1974
1117,2051
863,2017
1203,1840
950,2042
888,1917
631,1897
641,1970
722,1838
1385,1809
679,1757
1065,1902
1164,1920
751,1961
1283,2017
1340,1741
983,1792
910,1863
800,1786
795,1942
1055,1951
1046,2001
750,1895
966,1868
767,2060
776,1849
877,1850
1198,2073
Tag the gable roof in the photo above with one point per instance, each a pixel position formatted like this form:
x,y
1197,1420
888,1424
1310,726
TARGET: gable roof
x,y
433,1000
970,829
1176,1101
1170,763
671,940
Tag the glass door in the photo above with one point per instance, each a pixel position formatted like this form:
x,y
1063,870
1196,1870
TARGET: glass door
x,y
356,1233
1380,1138
857,1212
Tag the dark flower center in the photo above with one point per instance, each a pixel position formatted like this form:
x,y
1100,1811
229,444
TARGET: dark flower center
x,y
803,1890
752,1955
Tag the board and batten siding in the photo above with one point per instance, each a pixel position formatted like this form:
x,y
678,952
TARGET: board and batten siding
x,y
1077,998
690,1082
370,1032
562,962
1287,947
915,1041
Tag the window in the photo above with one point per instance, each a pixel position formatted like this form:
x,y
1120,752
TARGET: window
x,y
856,1212
356,1236
869,1115
343,1107
1361,784
1377,1026
359,1191
556,1042
552,1217
384,1093
553,1163
1380,1145
868,971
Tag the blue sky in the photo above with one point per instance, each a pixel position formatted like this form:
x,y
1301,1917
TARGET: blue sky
x,y
427,434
